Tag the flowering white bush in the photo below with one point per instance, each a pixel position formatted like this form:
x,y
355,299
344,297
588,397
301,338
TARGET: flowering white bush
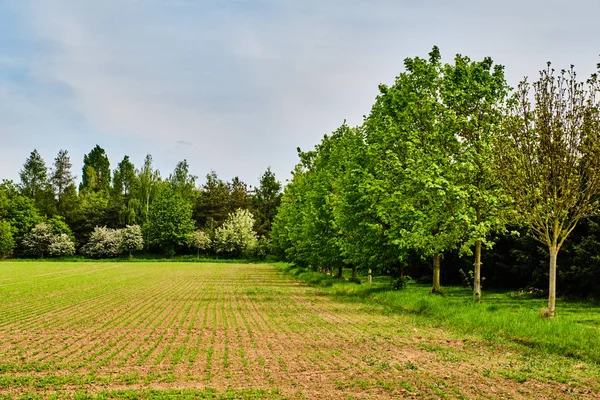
x,y
131,239
37,242
236,236
61,246
104,242
199,240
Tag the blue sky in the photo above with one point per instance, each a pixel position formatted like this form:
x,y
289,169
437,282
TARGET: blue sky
x,y
236,85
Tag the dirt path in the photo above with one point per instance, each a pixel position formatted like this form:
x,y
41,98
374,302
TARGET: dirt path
x,y
196,326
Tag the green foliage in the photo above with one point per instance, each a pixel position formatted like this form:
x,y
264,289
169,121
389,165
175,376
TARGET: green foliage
x,y
7,243
96,174
169,221
266,200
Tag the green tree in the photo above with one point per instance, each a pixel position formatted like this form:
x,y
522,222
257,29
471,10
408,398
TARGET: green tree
x,y
409,135
548,155
239,196
96,171
125,185
266,199
35,184
213,204
473,94
149,183
169,222
7,243
182,182
62,180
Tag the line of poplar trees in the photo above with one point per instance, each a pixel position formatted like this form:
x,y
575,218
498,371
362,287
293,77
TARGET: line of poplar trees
x,y
451,170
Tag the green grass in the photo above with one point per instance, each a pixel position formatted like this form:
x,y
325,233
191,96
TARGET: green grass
x,y
501,316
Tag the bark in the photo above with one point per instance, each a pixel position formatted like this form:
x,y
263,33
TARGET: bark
x,y
552,289
354,273
340,272
437,287
477,274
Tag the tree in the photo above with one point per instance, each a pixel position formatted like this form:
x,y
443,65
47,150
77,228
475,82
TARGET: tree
x,y
62,178
266,199
125,184
200,241
131,239
473,94
239,197
169,222
104,242
236,236
96,171
182,182
34,175
213,203
37,242
148,187
414,175
35,184
7,243
549,154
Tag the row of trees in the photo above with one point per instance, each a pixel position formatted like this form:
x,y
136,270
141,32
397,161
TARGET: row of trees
x,y
165,211
447,160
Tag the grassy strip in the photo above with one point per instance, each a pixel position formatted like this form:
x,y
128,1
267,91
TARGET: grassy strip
x,y
145,258
501,317
208,393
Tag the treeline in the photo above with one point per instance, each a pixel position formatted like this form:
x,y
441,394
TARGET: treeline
x,y
452,170
128,209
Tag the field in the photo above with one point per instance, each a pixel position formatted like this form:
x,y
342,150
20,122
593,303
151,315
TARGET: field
x,y
248,331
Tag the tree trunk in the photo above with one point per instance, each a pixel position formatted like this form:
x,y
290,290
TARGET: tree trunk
x,y
198,254
477,274
437,287
340,272
552,290
129,256
354,273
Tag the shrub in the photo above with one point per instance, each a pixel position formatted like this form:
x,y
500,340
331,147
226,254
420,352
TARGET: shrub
x,y
131,239
104,242
37,242
7,243
61,246
236,236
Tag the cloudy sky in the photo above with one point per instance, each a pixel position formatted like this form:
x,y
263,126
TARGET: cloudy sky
x,y
236,85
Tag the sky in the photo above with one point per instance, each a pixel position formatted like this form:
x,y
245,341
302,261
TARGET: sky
x,y
235,86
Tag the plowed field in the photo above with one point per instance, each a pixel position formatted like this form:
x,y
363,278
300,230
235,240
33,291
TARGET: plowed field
x,y
235,331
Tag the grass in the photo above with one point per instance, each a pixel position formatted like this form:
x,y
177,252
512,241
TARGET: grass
x,y
502,315
154,330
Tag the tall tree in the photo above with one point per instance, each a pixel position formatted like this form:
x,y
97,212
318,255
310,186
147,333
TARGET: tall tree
x,y
35,184
149,183
125,184
240,197
549,155
473,93
266,199
169,222
408,135
213,204
96,171
34,176
183,182
62,178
